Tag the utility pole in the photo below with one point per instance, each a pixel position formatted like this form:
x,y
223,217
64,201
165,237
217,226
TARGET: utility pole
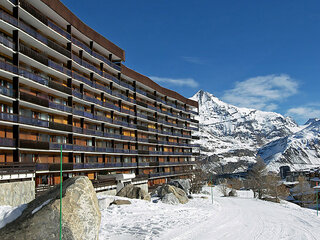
x,y
212,188
61,194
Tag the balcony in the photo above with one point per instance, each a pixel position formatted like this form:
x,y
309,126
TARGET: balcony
x,y
95,54
128,138
102,118
57,146
7,91
7,142
34,12
34,99
8,117
91,99
33,121
59,87
34,144
82,79
6,42
128,164
59,30
144,128
81,45
60,126
103,88
8,67
83,148
8,18
16,168
59,68
33,54
33,77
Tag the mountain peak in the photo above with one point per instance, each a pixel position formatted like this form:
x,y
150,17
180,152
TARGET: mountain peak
x,y
232,134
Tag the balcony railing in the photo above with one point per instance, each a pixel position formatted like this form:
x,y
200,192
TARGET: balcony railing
x,y
82,79
8,43
59,68
7,142
33,77
60,107
34,12
16,168
7,91
95,54
8,18
59,30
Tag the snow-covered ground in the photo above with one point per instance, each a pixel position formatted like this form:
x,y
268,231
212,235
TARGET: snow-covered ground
x,y
227,219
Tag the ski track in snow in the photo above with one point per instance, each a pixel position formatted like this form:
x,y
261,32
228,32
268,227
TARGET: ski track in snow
x,y
226,219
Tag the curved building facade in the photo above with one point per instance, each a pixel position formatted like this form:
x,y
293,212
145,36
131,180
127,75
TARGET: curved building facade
x,y
64,86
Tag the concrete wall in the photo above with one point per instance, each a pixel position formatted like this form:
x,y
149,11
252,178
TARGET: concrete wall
x,y
112,192
16,193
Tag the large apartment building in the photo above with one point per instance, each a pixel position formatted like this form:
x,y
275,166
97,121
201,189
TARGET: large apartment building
x,y
63,85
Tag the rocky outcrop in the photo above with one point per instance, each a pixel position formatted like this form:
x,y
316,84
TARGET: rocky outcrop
x,y
134,192
178,193
184,184
170,198
121,202
40,219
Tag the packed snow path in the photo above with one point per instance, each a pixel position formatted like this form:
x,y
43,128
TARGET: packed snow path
x,y
227,218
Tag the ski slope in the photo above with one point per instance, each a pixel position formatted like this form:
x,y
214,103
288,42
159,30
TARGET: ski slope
x,y
226,219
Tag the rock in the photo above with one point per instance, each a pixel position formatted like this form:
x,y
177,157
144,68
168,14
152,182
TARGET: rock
x,y
184,184
40,219
232,193
205,192
155,192
104,203
190,197
204,197
170,198
179,193
131,191
121,202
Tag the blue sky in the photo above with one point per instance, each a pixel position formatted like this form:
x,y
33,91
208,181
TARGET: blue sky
x,y
260,54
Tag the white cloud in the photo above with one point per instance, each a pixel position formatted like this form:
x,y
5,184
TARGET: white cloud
x,y
189,82
262,92
303,113
194,60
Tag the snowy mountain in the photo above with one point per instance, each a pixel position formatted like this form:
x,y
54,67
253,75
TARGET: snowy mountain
x,y
299,150
229,134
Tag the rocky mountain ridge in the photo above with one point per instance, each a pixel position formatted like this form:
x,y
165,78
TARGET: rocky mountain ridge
x,y
231,136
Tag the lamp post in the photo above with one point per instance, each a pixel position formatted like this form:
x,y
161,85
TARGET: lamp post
x,y
211,188
60,194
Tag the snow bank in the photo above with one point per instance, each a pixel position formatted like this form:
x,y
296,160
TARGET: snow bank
x,y
228,218
8,214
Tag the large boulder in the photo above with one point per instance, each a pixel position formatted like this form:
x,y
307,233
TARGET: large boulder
x,y
184,184
170,198
178,192
40,219
131,191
